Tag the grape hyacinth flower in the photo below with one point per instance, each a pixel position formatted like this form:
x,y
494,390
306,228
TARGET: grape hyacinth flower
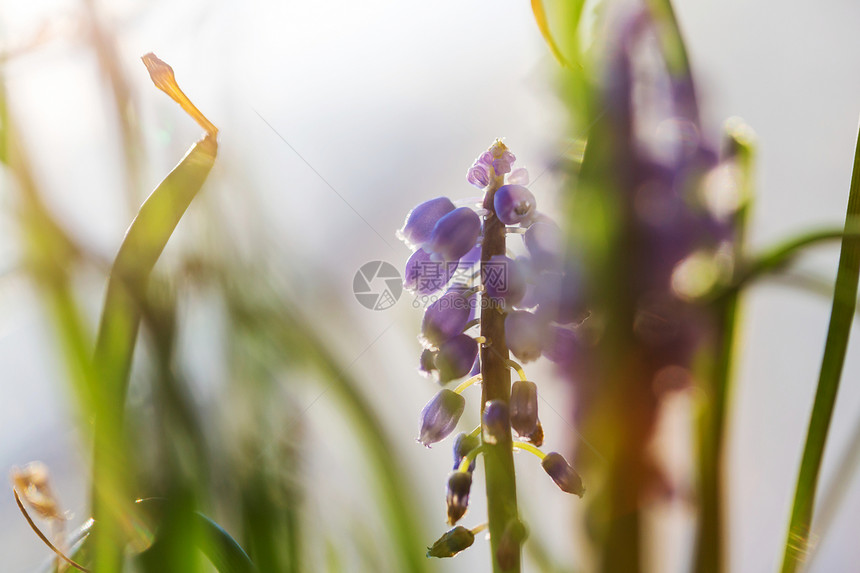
x,y
463,444
456,357
455,234
452,542
496,421
562,474
459,485
514,204
524,407
525,332
421,220
446,317
456,240
440,416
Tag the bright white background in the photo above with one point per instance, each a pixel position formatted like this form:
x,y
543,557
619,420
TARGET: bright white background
x,y
390,102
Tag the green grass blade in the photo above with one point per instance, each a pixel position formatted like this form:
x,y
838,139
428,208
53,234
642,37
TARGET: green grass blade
x,y
223,551
121,315
841,317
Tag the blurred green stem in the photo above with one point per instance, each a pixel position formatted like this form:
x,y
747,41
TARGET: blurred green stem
x,y
710,554
145,240
835,348
498,457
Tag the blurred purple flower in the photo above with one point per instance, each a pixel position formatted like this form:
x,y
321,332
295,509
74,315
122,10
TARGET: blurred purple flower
x,y
524,332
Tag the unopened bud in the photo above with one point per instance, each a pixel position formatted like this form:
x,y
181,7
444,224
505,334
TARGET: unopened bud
x,y
452,542
562,474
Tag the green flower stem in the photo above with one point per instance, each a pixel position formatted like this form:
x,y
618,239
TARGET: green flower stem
x,y
527,447
519,369
498,457
710,555
777,257
469,458
835,348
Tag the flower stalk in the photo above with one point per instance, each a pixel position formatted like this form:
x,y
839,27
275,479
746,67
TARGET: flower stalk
x,y
498,457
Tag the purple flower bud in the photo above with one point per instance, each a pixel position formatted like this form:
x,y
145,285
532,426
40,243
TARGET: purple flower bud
x,y
425,276
427,362
462,446
525,334
446,317
456,357
508,551
544,243
496,421
440,416
479,176
524,407
457,499
455,234
561,345
562,474
421,220
513,204
561,296
452,542
504,280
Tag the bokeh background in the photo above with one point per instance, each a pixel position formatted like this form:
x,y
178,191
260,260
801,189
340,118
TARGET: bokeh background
x,y
336,118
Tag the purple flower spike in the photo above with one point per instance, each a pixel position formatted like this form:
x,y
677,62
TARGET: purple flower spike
x,y
455,234
462,446
440,416
479,176
496,421
504,280
446,317
456,357
525,335
452,542
421,220
513,204
544,243
562,474
425,276
459,485
524,407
